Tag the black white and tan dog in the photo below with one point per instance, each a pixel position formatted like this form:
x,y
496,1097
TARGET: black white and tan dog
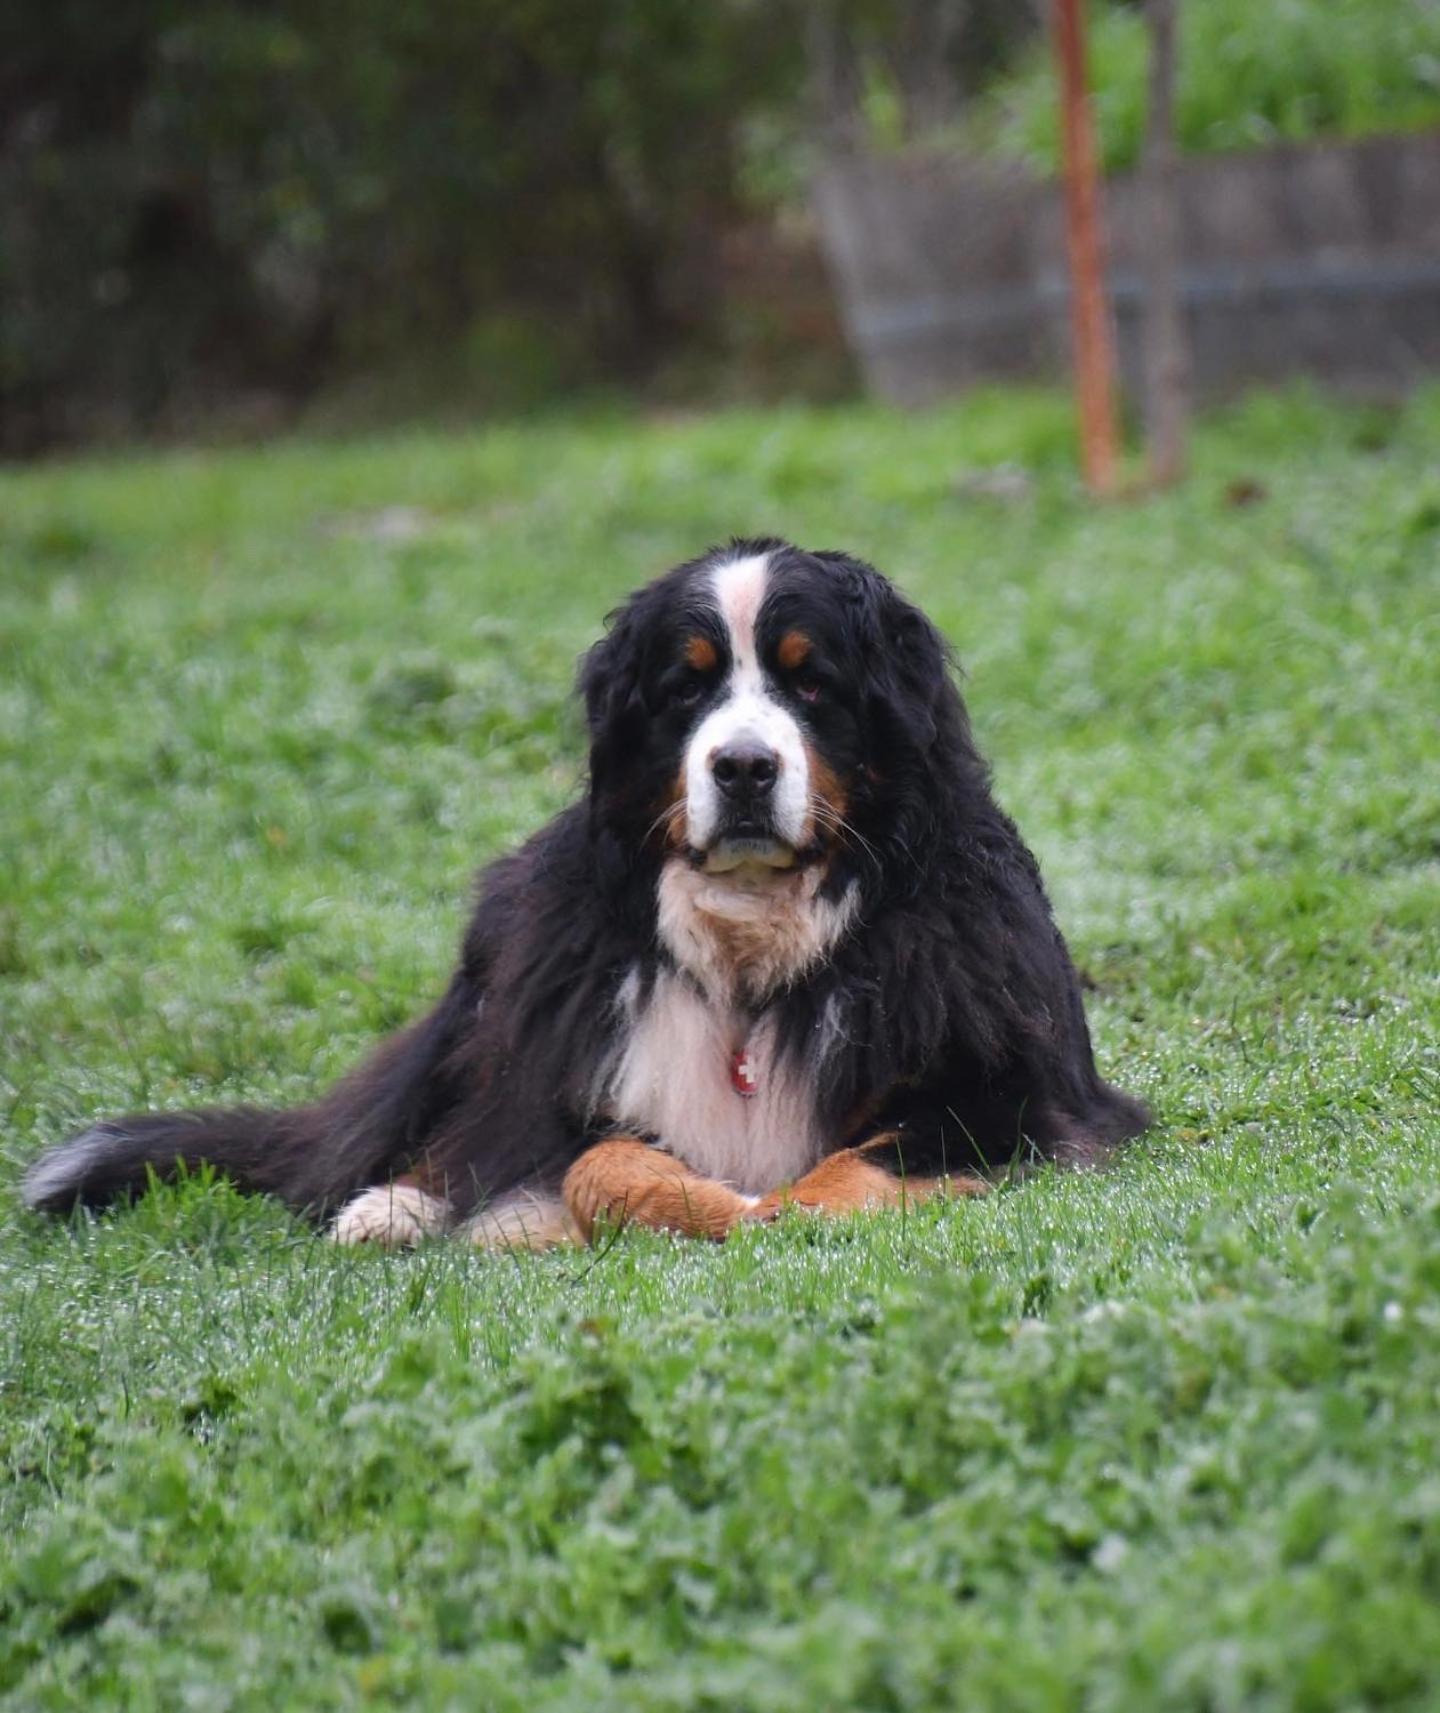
x,y
785,949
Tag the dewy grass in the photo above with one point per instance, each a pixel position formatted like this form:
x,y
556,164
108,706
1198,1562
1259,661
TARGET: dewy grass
x,y
1161,1438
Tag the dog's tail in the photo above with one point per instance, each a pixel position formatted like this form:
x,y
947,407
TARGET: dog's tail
x,y
255,1149
313,1158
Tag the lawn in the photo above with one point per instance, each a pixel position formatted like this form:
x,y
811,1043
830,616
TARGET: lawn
x,y
1167,1437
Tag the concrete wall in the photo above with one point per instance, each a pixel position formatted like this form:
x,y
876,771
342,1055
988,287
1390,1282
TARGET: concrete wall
x,y
1319,259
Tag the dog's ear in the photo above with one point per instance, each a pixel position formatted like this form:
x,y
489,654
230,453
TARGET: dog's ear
x,y
921,763
610,684
912,688
911,700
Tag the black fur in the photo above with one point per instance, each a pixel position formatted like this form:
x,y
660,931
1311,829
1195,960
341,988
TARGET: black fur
x,y
963,1027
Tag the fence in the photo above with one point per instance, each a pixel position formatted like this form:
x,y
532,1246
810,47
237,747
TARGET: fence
x,y
1319,259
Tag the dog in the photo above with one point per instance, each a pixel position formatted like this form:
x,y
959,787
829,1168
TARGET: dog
x,y
785,950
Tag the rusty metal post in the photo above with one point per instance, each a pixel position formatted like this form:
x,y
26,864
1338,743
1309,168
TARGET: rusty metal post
x,y
1089,305
1167,355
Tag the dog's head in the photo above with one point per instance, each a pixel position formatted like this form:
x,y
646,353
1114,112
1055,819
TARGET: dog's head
x,y
763,707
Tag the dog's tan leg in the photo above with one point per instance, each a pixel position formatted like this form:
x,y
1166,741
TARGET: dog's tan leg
x,y
848,1181
630,1182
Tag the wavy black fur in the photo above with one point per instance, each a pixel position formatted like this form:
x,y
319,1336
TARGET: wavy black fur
x,y
962,1023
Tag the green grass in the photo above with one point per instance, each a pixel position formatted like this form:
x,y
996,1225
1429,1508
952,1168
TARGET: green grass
x,y
1161,1438
1248,75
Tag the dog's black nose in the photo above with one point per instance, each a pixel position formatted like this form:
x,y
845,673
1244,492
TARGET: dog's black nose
x,y
745,772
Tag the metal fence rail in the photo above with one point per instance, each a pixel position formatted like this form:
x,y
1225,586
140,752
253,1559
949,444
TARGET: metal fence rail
x,y
1321,259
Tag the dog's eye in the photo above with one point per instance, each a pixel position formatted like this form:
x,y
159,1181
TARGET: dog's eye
x,y
807,687
687,692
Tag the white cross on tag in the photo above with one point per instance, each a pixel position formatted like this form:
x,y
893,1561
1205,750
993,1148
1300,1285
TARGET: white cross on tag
x,y
742,1073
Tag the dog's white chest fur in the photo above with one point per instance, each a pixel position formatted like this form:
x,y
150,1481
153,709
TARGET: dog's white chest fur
x,y
735,939
675,1081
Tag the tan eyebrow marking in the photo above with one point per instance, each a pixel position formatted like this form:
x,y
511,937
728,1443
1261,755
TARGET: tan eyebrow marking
x,y
794,649
700,653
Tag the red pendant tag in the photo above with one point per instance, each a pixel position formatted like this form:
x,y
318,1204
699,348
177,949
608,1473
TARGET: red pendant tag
x,y
742,1073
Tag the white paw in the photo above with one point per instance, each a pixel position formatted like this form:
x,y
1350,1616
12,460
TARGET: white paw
x,y
392,1214
522,1219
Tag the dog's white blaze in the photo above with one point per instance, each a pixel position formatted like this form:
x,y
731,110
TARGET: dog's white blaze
x,y
673,1082
739,586
747,711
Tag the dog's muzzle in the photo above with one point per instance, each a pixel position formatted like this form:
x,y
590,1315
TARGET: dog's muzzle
x,y
745,773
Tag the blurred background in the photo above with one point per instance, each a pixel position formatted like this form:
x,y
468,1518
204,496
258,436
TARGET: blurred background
x,y
222,219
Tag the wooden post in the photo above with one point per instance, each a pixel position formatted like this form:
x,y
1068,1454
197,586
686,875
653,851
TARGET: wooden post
x,y
1167,357
1089,308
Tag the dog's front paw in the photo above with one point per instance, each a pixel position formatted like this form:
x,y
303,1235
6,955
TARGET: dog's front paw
x,y
762,1210
391,1214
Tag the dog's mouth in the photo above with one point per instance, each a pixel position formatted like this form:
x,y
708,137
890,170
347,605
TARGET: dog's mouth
x,y
751,843
741,850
